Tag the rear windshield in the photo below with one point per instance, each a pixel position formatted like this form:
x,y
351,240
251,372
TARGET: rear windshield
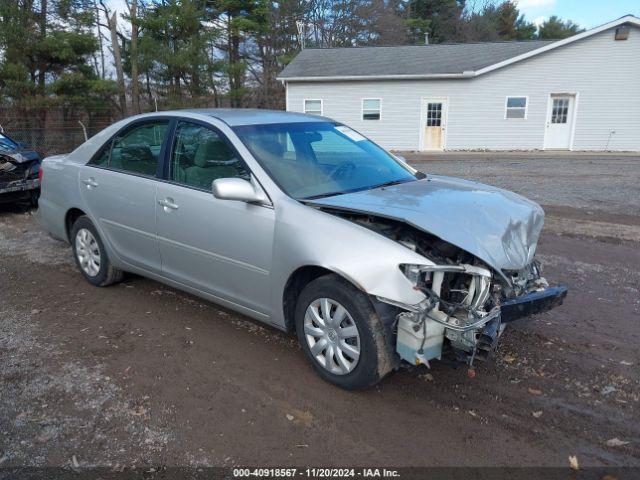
x,y
7,144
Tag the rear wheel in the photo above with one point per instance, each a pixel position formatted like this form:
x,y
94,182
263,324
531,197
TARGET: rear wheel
x,y
34,196
90,254
341,333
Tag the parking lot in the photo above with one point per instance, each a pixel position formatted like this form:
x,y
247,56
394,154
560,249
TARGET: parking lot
x,y
142,374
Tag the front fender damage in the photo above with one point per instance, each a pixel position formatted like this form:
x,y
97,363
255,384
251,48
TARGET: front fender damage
x,y
461,306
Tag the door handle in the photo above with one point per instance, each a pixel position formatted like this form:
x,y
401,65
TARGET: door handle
x,y
168,204
90,182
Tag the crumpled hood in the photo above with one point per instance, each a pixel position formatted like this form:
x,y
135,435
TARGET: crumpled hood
x,y
497,226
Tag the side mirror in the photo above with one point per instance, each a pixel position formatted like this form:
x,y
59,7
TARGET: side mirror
x,y
237,189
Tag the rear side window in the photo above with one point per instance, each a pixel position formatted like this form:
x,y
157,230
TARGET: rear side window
x,y
136,151
102,159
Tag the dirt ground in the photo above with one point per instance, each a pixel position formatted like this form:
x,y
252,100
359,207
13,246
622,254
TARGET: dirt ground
x,y
142,374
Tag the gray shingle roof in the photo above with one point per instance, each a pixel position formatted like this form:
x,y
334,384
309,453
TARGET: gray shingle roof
x,y
434,59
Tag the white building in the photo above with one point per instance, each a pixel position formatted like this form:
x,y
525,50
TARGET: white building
x,y
580,93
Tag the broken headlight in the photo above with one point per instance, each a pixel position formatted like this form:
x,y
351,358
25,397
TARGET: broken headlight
x,y
412,272
456,286
457,308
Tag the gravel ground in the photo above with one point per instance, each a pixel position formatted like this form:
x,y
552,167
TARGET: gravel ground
x,y
596,183
140,374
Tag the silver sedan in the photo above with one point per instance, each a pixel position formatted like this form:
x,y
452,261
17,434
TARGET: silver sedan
x,y
302,223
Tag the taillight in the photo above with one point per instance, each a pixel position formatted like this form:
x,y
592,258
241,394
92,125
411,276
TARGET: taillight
x,y
40,173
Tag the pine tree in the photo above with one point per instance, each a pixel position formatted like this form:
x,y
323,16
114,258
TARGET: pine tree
x,y
441,20
45,44
555,28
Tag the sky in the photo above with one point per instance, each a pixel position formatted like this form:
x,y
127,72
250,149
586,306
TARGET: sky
x,y
586,13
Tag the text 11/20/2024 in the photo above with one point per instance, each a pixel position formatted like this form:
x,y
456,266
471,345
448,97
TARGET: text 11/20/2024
x,y
312,472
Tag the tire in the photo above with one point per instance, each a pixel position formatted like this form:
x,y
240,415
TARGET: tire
x,y
374,361
34,197
99,273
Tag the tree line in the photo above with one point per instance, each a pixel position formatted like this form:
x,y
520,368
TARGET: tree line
x,y
180,53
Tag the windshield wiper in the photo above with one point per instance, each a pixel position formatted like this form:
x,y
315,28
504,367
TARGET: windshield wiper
x,y
389,184
359,189
324,195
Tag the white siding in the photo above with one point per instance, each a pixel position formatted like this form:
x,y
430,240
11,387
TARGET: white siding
x,y
603,73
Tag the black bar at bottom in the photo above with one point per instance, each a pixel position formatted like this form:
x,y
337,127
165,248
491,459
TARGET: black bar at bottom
x,y
321,473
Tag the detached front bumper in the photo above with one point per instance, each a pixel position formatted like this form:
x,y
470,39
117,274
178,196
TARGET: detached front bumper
x,y
532,303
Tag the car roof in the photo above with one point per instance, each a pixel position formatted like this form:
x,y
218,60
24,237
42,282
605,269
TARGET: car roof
x,y
254,116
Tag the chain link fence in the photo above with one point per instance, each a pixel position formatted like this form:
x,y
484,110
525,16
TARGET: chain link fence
x,y
52,130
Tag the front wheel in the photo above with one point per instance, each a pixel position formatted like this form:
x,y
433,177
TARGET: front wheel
x,y
341,333
90,254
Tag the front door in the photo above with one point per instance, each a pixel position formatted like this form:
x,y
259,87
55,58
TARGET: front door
x,y
559,122
222,247
433,124
119,188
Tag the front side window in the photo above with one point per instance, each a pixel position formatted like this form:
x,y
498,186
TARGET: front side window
x,y
371,109
200,155
313,107
319,159
516,107
136,151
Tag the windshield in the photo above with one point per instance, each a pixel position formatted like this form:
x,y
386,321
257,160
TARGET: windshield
x,y
319,159
7,144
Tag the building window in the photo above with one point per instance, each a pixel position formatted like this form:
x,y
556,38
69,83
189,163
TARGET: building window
x,y
314,107
434,114
560,111
371,108
516,107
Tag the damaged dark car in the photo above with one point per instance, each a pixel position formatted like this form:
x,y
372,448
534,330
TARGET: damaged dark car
x,y
19,170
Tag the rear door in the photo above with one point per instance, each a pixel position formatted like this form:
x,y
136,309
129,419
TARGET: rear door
x,y
222,247
119,187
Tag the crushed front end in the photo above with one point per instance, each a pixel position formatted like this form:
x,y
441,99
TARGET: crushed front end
x,y
466,308
467,302
19,175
